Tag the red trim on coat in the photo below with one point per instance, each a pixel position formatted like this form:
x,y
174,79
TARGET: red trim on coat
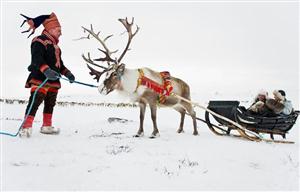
x,y
44,42
53,39
33,82
43,67
41,90
57,53
53,90
44,90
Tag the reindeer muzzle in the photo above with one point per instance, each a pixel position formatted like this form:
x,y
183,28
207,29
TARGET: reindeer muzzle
x,y
104,90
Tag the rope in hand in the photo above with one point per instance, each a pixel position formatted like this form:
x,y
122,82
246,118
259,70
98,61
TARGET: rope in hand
x,y
33,99
78,82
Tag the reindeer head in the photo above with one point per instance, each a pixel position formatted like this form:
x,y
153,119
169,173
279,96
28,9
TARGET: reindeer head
x,y
112,80
115,68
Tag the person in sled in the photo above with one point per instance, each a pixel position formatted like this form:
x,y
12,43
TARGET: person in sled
x,y
46,62
259,107
280,105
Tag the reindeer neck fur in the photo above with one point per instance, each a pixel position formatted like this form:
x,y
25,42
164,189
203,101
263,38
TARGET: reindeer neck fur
x,y
129,81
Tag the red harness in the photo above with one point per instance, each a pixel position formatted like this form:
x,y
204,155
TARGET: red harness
x,y
163,90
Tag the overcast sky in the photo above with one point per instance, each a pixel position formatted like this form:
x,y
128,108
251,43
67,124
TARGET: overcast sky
x,y
220,44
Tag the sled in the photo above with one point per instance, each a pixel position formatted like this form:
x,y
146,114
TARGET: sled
x,y
278,125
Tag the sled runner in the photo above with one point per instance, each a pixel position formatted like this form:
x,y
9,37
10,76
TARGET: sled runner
x,y
279,125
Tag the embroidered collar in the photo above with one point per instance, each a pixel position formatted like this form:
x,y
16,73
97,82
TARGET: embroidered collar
x,y
53,39
163,90
149,83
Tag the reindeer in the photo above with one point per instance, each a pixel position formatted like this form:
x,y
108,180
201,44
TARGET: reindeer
x,y
141,85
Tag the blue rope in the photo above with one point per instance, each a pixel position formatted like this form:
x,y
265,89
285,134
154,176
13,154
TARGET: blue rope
x,y
34,94
30,107
78,82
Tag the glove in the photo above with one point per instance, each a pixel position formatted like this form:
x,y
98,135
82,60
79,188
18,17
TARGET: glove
x,y
50,74
70,76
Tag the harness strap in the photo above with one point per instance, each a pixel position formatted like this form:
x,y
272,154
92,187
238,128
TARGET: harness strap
x,y
163,90
139,80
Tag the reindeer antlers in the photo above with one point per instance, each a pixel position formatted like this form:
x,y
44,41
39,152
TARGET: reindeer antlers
x,y
106,51
128,27
93,71
90,61
96,73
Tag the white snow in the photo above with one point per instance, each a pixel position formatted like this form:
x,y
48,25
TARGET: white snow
x,y
92,154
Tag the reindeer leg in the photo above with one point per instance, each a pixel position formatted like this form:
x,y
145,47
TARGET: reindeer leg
x,y
155,132
140,132
191,111
193,114
182,115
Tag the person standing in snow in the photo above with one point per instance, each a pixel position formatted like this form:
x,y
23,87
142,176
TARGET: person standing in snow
x,y
280,105
46,62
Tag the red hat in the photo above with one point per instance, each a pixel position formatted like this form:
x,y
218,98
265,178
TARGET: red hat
x,y
52,22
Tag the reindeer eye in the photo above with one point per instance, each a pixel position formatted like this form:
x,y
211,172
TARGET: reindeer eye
x,y
114,74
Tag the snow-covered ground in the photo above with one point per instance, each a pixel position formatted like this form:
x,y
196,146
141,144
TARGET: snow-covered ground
x,y
92,153
225,50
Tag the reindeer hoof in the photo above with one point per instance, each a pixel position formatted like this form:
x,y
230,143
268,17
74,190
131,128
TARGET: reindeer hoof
x,y
153,136
139,135
180,131
195,133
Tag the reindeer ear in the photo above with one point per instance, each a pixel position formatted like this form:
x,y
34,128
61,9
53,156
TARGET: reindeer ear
x,y
121,69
